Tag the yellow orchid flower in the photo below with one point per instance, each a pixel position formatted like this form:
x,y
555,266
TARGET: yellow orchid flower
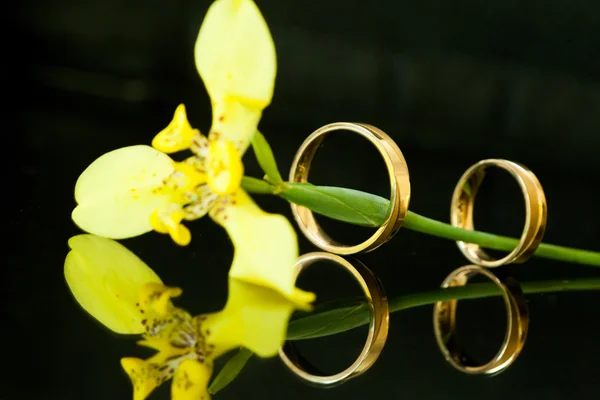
x,y
123,293
134,190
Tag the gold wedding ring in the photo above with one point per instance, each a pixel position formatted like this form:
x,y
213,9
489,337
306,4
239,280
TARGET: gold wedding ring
x,y
444,324
378,325
399,187
463,200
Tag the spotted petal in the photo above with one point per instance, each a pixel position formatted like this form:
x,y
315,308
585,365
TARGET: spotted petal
x,y
116,194
106,279
144,375
235,56
191,381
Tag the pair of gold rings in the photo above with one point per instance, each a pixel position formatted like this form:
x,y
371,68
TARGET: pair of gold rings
x,y
461,216
463,199
444,324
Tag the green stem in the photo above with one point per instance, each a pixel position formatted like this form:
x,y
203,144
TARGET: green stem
x,y
257,186
330,318
265,158
419,223
230,370
369,210
483,290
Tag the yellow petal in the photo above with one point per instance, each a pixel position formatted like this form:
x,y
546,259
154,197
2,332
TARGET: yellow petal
x,y
266,247
235,53
191,381
168,220
116,194
156,297
106,280
254,317
235,122
225,169
144,376
235,56
177,136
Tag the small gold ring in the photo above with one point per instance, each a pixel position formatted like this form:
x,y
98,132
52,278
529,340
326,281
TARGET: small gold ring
x,y
463,200
444,323
378,325
399,187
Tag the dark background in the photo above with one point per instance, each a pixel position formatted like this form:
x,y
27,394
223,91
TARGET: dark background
x,y
451,82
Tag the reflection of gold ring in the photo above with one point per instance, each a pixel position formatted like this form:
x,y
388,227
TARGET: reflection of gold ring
x,y
399,187
463,199
444,323
378,324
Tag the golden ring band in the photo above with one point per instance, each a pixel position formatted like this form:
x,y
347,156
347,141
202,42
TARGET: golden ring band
x,y
463,200
444,324
399,187
378,324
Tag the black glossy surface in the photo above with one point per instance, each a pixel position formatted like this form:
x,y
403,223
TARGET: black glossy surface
x,y
452,84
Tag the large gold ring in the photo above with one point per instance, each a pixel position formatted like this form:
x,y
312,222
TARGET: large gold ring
x,y
463,200
378,325
399,187
444,324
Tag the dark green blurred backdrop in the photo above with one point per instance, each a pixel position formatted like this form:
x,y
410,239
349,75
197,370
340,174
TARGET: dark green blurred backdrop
x,y
452,82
